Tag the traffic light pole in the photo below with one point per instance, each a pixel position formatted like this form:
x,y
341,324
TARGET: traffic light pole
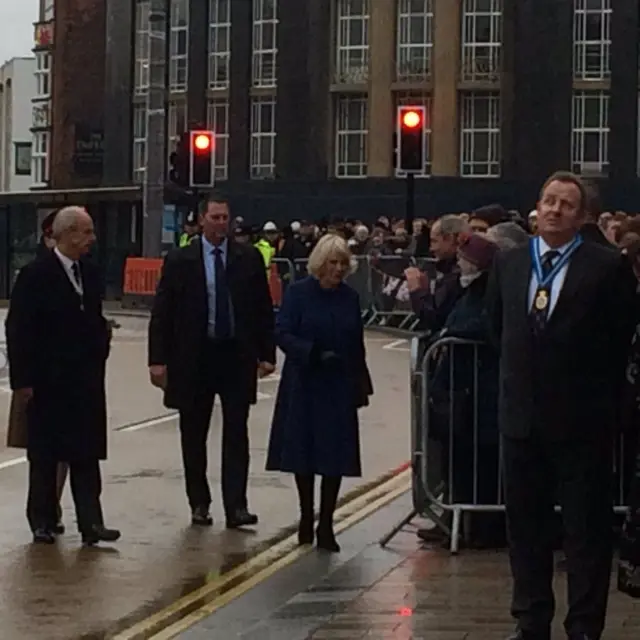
x,y
410,203
153,186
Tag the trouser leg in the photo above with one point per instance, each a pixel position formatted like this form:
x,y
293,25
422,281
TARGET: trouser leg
x,y
529,498
41,498
86,487
194,430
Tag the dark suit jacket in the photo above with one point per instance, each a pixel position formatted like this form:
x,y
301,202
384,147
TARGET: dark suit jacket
x,y
179,318
591,232
59,349
566,383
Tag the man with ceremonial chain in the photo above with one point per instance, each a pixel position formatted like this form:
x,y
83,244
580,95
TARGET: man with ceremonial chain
x,y
562,312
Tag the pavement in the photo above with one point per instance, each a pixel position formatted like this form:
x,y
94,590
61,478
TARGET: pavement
x,y
67,593
401,592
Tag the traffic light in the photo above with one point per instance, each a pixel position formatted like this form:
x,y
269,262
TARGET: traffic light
x,y
410,137
201,158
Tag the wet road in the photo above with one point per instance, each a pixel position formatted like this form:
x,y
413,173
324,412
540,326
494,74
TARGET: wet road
x,y
68,592
403,592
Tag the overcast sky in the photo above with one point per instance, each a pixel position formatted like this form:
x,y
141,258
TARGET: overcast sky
x,y
16,27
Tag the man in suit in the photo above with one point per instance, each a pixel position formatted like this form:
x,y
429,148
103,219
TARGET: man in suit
x,y
211,333
562,311
58,344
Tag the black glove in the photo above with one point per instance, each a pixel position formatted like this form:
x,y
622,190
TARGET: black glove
x,y
329,358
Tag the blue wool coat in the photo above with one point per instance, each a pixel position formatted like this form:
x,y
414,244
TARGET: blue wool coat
x,y
315,422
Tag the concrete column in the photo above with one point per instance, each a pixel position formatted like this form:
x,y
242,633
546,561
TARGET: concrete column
x,y
382,37
444,105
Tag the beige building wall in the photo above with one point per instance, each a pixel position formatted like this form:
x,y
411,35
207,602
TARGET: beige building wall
x,y
445,148
382,40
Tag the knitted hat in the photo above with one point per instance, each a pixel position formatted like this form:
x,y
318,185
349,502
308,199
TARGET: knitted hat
x,y
478,251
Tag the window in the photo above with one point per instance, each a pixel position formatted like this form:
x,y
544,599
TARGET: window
x,y
48,10
480,135
22,161
218,121
219,43
176,125
591,39
351,136
178,46
481,39
263,138
415,40
40,158
43,74
141,46
590,137
352,29
139,143
265,24
418,100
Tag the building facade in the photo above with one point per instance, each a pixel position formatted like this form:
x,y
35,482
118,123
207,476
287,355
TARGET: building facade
x,y
17,87
302,90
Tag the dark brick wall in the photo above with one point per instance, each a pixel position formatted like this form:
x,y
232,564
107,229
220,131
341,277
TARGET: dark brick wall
x,y
78,84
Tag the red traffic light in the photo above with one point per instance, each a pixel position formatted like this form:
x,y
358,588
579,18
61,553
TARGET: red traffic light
x,y
411,119
202,142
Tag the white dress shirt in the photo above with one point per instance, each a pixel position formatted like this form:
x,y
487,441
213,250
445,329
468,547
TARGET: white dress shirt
x,y
558,281
68,263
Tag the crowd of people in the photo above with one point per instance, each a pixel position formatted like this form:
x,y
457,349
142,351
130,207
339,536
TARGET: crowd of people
x,y
552,296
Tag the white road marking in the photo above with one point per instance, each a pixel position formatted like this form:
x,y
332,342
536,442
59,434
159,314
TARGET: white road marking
x,y
12,463
397,345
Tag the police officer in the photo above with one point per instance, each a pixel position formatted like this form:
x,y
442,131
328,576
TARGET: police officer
x,y
191,230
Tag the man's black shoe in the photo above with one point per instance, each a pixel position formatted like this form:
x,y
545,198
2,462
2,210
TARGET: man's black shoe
x,y
241,518
200,517
99,533
43,536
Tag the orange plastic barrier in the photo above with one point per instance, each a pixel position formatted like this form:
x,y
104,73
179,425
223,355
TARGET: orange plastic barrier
x,y
141,276
275,285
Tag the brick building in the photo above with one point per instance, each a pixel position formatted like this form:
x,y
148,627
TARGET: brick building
x,y
303,92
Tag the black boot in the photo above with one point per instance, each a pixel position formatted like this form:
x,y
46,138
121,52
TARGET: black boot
x,y
304,483
328,500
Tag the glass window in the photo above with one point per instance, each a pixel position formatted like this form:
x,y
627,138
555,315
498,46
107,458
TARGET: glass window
x,y
139,143
48,10
263,138
481,40
219,43
265,50
351,136
480,135
43,74
176,125
22,161
141,48
352,53
414,40
418,100
592,39
40,158
179,46
218,121
590,135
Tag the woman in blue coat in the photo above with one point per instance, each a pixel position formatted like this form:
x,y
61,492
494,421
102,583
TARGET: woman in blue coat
x,y
324,382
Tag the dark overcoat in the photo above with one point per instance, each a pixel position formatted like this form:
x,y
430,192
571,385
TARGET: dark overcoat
x,y
179,319
568,382
315,423
58,344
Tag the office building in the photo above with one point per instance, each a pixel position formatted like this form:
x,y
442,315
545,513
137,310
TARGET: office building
x,y
17,87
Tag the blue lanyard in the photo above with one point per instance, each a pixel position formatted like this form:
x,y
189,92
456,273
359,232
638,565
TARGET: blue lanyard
x,y
534,247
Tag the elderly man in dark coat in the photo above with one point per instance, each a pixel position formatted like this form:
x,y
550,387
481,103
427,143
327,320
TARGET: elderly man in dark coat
x,y
58,344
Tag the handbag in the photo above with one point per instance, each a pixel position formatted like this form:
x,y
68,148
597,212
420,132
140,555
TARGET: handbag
x,y
17,429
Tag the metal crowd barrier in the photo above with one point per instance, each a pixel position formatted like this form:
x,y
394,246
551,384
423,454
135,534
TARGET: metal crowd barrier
x,y
456,454
380,283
